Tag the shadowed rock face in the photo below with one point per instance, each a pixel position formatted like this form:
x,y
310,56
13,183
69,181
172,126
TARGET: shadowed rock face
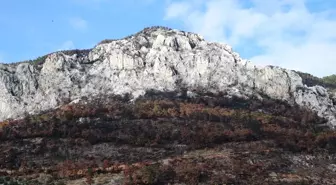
x,y
156,58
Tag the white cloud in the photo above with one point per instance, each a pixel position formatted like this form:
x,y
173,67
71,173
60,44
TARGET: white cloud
x,y
67,45
78,23
288,33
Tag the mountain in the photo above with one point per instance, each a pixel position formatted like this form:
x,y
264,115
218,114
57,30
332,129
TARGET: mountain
x,y
153,59
163,106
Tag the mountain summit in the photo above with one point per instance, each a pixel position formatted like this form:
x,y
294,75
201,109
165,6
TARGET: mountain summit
x,y
155,58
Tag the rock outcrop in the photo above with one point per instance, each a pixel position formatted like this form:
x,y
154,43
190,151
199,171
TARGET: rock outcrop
x,y
155,58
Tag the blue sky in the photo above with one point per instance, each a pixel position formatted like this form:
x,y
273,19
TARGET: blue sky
x,y
36,27
296,34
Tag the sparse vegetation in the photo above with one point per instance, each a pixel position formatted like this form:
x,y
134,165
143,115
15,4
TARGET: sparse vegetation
x,y
241,141
330,80
40,60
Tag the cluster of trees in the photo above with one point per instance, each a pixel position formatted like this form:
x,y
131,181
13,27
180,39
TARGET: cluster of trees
x,y
310,80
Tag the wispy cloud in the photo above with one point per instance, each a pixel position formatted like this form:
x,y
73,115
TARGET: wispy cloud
x,y
78,23
286,32
67,45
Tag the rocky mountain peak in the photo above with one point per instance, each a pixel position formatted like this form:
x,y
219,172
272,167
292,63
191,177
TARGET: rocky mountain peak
x,y
157,37
156,58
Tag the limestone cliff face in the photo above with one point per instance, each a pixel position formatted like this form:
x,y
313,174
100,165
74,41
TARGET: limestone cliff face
x,y
155,58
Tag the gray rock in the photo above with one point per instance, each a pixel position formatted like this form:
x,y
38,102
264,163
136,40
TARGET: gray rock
x,y
273,175
332,167
155,58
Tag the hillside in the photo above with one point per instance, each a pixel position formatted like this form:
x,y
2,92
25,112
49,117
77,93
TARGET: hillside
x,y
163,106
167,138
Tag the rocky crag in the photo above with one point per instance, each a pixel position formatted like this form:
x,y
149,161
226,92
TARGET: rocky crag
x,y
156,58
